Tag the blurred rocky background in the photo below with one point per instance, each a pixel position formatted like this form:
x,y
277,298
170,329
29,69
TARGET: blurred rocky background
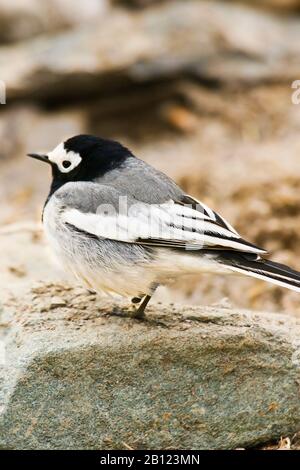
x,y
200,89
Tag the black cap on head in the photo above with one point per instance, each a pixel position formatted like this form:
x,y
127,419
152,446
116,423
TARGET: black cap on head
x,y
89,146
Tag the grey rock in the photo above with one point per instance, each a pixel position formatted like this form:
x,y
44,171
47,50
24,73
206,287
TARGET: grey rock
x,y
284,5
210,40
187,378
18,121
21,19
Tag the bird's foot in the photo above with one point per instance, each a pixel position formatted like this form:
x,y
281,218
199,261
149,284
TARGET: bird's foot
x,y
139,312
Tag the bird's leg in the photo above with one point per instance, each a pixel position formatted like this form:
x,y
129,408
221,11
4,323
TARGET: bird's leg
x,y
140,311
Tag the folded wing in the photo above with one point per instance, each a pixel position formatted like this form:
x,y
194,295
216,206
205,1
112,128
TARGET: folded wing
x,y
185,225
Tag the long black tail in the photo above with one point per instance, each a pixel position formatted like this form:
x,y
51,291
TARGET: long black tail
x,y
260,268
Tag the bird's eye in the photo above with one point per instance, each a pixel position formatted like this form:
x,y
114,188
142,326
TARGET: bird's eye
x,y
66,163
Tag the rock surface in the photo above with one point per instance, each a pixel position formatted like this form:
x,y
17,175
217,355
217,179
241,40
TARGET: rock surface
x,y
77,376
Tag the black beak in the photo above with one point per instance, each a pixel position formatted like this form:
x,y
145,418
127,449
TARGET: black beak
x,y
37,156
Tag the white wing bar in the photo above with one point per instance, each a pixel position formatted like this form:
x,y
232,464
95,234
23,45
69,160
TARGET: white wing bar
x,y
168,224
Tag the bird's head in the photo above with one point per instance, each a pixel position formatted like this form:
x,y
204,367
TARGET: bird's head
x,y
83,158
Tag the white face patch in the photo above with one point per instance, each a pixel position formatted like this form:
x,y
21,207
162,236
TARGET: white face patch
x,y
65,161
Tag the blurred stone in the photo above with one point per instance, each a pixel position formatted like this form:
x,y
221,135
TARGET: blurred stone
x,y
180,118
20,19
184,379
272,4
212,41
138,3
275,4
23,128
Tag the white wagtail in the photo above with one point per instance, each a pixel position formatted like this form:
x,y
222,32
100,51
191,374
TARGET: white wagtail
x,y
121,226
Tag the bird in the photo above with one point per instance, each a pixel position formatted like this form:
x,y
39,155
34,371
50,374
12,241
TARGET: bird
x,y
122,227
